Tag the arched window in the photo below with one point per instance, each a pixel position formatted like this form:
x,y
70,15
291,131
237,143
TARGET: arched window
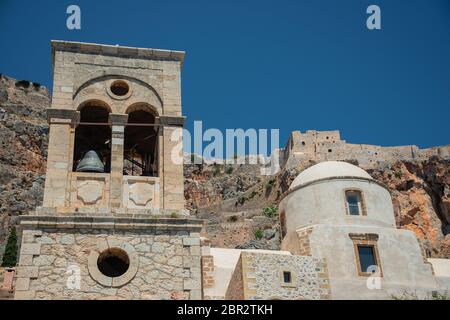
x,y
92,134
141,143
355,203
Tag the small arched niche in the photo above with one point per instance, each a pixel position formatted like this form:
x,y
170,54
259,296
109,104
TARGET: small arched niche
x,y
93,133
141,156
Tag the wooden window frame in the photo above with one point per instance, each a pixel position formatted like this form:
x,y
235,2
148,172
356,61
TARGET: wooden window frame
x,y
367,240
363,211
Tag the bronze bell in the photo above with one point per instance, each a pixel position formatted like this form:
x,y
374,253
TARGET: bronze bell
x,y
90,163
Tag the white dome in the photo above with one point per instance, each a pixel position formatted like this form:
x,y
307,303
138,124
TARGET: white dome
x,y
329,169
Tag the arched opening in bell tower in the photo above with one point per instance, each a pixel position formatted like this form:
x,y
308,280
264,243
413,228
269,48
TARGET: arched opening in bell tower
x,y
141,142
92,146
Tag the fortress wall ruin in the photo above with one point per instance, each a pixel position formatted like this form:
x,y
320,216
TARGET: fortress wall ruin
x,y
327,145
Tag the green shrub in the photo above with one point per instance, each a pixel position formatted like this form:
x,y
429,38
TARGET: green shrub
x,y
252,195
259,234
174,214
232,218
229,169
398,174
270,184
10,256
438,296
216,170
270,211
241,200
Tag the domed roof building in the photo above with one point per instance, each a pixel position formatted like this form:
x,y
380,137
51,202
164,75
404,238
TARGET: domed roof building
x,y
329,170
337,211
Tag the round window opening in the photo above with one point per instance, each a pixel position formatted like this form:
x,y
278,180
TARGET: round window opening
x,y
113,262
120,88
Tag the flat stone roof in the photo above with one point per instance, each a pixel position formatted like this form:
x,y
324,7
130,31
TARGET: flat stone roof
x,y
441,267
116,50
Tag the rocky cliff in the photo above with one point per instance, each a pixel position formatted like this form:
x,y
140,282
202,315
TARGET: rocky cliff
x,y
23,143
237,203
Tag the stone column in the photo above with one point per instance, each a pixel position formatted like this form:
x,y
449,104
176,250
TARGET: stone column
x,y
60,153
172,164
118,122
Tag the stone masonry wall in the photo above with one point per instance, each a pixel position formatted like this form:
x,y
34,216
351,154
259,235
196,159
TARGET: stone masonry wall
x,y
207,271
262,275
168,265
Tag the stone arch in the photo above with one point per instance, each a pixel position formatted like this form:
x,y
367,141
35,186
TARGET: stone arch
x,y
141,143
89,101
144,106
101,76
92,133
114,282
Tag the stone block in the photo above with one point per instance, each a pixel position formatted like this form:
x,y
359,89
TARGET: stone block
x,y
30,249
191,241
27,237
27,272
192,284
26,260
22,284
195,250
67,239
25,295
191,262
195,295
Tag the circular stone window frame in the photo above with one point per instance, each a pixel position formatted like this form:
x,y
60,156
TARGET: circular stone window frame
x,y
115,96
113,282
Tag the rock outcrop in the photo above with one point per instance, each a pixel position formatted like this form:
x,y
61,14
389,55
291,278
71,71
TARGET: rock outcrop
x,y
421,194
23,142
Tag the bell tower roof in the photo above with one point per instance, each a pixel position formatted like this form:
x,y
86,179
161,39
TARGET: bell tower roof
x,y
116,50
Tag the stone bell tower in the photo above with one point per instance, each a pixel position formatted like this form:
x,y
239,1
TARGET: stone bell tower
x,y
113,223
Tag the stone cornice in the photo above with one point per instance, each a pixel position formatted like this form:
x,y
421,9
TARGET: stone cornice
x,y
171,121
123,222
364,236
117,51
68,116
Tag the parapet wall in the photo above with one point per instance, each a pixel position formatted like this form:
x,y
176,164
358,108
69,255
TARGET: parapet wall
x,y
327,145
259,276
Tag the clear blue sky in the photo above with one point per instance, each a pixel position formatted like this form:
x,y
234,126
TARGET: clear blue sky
x,y
293,65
